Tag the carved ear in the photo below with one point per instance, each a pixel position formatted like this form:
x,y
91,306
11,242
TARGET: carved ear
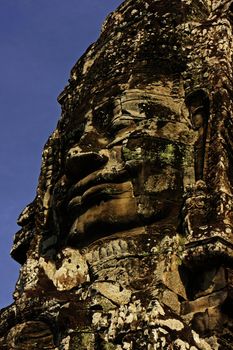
x,y
231,11
197,102
197,98
200,93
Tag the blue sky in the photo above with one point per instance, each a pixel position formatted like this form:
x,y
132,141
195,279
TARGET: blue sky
x,y
40,42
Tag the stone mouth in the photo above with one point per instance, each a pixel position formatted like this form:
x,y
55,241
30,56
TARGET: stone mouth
x,y
96,179
95,194
103,203
113,175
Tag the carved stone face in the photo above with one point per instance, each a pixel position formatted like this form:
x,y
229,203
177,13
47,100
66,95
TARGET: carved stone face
x,y
125,171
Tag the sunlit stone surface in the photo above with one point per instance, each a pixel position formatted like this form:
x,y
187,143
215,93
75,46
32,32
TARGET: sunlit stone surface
x,y
128,244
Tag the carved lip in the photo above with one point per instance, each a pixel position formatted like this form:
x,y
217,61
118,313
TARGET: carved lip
x,y
95,194
96,179
101,185
114,175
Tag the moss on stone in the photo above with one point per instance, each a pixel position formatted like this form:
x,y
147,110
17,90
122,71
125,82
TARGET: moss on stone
x,y
82,341
168,155
131,154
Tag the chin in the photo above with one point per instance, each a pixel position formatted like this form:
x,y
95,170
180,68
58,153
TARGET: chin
x,y
104,219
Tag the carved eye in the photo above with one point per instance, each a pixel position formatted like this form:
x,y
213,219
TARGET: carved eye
x,y
102,117
120,123
72,137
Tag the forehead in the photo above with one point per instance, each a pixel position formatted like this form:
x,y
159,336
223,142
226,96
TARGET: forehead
x,y
157,101
161,101
149,101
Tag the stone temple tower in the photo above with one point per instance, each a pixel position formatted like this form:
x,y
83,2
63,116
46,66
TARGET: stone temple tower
x,y
128,244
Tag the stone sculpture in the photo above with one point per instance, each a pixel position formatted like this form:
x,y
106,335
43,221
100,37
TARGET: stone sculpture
x,y
198,104
128,243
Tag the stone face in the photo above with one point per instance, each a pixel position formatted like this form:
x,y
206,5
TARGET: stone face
x,y
128,243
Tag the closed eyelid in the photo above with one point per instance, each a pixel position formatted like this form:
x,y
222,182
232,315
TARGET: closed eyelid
x,y
118,140
129,134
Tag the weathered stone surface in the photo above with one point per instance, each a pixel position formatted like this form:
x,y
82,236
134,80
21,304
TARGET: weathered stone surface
x,y
128,244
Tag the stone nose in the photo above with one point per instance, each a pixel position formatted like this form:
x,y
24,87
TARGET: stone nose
x,y
81,164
